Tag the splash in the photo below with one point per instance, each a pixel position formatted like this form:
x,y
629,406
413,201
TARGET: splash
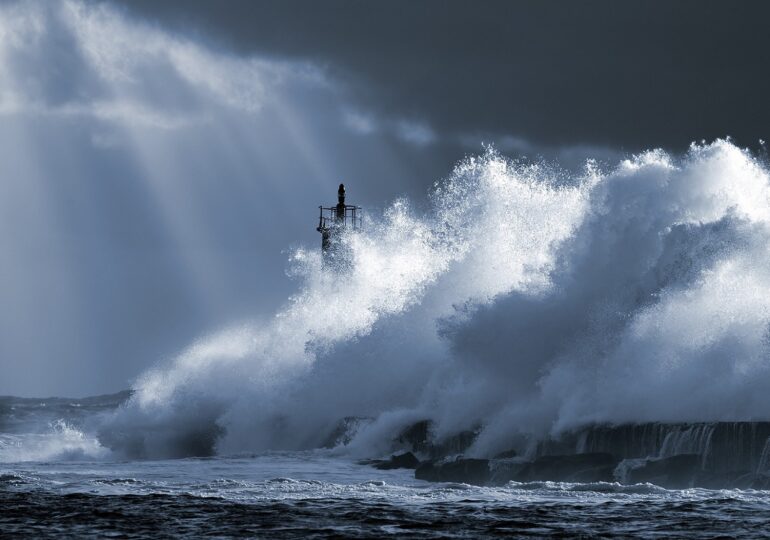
x,y
525,300
60,442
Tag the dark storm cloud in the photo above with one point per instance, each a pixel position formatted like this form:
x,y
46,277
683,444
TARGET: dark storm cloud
x,y
624,74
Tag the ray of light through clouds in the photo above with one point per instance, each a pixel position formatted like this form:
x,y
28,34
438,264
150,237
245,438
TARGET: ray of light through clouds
x,y
149,185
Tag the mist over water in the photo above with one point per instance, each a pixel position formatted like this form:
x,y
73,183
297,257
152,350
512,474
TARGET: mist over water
x,y
525,301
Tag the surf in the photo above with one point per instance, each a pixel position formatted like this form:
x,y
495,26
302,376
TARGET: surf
x,y
525,300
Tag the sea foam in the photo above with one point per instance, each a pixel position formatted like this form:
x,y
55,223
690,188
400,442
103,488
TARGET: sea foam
x,y
525,301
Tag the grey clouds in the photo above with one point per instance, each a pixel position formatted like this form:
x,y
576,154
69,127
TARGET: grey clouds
x,y
631,74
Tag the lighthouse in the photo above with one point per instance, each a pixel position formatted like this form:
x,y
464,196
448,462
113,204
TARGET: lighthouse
x,y
333,220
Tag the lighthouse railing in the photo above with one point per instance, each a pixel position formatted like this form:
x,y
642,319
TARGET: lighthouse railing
x,y
353,217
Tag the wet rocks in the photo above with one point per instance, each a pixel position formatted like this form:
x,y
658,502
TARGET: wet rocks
x,y
507,454
407,460
566,468
462,470
345,430
419,439
677,472
416,437
502,471
726,447
758,481
595,467
677,455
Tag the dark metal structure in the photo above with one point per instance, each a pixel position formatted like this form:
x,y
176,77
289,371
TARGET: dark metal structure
x,y
334,218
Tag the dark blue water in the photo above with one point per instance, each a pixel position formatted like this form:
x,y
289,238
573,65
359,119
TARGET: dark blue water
x,y
427,512
316,494
57,480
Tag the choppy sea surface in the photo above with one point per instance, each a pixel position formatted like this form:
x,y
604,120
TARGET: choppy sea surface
x,y
316,494
56,480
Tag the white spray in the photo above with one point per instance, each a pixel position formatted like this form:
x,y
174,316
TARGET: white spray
x,y
525,301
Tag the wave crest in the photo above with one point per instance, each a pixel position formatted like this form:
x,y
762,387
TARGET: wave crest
x,y
525,300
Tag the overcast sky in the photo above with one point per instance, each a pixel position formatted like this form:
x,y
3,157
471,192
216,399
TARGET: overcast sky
x,y
634,73
158,159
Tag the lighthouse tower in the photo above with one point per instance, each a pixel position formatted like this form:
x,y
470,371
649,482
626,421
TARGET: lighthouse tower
x,y
333,220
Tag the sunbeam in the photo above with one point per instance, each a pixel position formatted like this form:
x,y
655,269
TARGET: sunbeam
x,y
178,162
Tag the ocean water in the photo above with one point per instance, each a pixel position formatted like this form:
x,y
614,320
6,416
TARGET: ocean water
x,y
300,494
306,494
57,480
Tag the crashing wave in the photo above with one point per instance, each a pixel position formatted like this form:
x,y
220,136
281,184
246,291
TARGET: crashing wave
x,y
525,301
